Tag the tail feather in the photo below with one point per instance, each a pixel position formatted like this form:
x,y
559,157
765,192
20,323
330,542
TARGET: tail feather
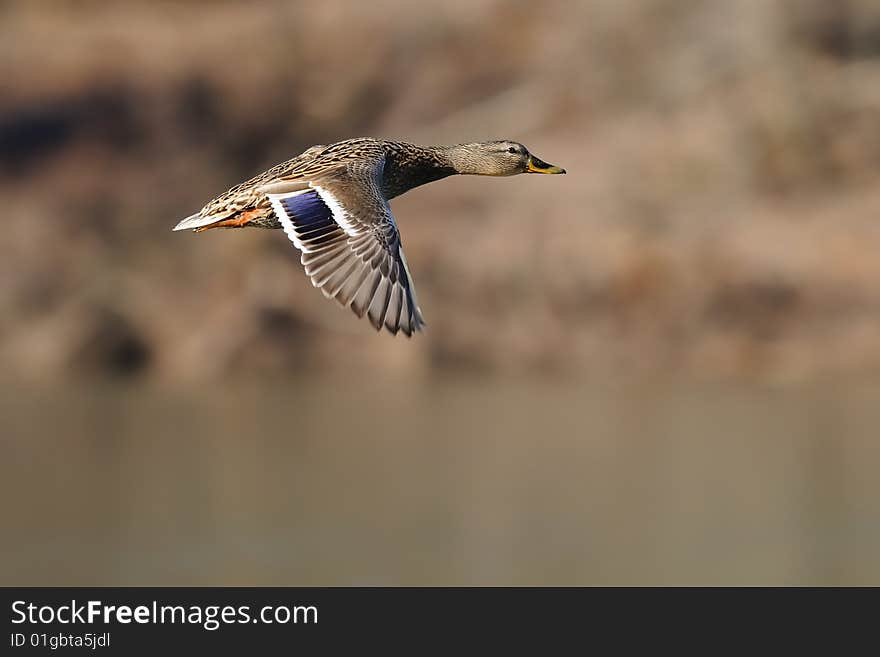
x,y
195,221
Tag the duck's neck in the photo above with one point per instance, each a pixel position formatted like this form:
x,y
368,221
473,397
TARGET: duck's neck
x,y
408,166
461,158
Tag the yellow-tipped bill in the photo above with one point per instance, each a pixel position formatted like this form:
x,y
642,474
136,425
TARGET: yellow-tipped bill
x,y
537,165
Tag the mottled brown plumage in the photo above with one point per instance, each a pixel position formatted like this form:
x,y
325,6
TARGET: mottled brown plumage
x,y
332,201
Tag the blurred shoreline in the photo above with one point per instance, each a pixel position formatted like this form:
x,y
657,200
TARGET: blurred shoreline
x,y
720,219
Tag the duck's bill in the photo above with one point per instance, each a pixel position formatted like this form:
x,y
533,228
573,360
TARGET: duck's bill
x,y
537,165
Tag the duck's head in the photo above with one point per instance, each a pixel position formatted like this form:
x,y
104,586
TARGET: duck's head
x,y
497,158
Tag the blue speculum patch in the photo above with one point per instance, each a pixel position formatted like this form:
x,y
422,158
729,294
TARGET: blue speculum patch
x,y
309,213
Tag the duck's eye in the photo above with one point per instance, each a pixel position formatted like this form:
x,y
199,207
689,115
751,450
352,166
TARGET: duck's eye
x,y
511,150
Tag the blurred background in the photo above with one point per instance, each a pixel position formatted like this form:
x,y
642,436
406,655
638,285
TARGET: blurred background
x,y
662,368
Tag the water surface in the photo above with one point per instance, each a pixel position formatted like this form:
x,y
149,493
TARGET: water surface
x,y
454,482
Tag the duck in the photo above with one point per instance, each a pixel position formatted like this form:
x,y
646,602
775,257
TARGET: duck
x,y
332,202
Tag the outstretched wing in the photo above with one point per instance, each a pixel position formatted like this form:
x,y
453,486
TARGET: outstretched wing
x,y
351,246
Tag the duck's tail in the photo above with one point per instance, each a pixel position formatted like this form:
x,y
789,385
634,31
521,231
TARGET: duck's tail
x,y
199,223
195,221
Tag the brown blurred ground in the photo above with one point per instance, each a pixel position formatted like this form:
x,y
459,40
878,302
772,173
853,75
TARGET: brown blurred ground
x,y
721,216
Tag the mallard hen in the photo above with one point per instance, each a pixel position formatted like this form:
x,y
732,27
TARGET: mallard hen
x,y
332,202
